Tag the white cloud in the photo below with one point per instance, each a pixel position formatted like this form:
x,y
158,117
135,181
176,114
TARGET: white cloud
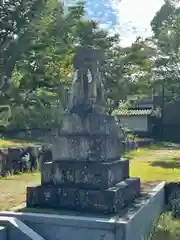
x,y
130,18
134,17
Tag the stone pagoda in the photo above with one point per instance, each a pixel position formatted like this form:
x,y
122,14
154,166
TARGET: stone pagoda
x,y
87,172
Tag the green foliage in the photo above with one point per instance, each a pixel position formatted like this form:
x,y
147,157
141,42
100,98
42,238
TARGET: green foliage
x,y
38,74
154,63
162,16
44,67
137,68
42,76
167,64
5,114
39,77
16,30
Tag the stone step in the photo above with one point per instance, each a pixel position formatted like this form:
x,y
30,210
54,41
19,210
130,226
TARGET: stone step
x,y
92,175
111,200
3,233
90,148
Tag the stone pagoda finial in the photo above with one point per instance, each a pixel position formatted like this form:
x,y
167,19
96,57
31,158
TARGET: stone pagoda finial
x,y
87,93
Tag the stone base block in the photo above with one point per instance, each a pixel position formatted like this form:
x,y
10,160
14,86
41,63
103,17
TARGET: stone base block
x,y
92,124
93,175
90,148
111,200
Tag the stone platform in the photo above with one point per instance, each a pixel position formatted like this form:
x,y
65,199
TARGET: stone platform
x,y
111,200
92,175
133,223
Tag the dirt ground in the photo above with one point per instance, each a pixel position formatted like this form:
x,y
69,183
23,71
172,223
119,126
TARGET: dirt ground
x,y
13,189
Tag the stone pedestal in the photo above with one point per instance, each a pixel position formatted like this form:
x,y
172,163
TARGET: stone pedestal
x,y
87,172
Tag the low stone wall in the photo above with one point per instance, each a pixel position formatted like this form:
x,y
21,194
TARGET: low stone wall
x,y
15,160
172,191
172,198
145,143
132,145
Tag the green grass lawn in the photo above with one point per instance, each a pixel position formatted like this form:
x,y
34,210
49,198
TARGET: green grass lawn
x,y
7,143
156,163
159,163
13,188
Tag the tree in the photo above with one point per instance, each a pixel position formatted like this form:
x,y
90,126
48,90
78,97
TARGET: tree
x,y
43,66
16,19
163,15
137,69
167,64
41,72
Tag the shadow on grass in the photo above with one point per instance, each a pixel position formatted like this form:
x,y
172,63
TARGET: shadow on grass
x,y
165,145
174,163
162,235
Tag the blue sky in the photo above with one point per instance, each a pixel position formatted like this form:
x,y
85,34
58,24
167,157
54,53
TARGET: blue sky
x,y
130,18
103,11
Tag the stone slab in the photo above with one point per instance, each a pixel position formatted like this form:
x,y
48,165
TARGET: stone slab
x,y
92,124
111,200
89,148
92,175
134,224
14,153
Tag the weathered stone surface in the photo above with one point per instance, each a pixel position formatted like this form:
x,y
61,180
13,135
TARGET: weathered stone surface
x,y
13,159
3,161
14,154
34,150
111,200
81,148
87,91
46,154
94,175
92,124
